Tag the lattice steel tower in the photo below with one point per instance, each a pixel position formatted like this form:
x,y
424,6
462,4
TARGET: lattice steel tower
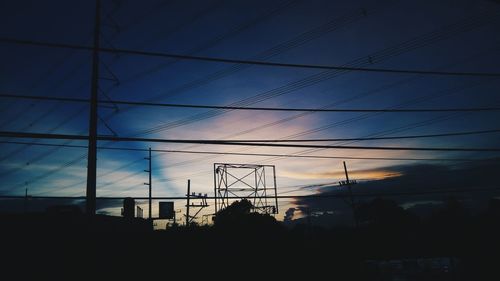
x,y
256,183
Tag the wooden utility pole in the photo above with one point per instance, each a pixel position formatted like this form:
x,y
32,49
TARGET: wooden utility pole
x,y
353,206
92,146
187,206
150,184
215,187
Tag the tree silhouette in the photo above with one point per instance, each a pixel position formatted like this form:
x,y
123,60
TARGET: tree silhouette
x,y
384,213
236,210
451,217
239,216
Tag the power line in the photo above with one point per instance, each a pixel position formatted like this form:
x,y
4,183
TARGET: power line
x,y
38,158
183,21
376,57
47,74
301,39
217,39
404,128
300,153
287,119
373,138
383,54
247,154
51,172
103,175
343,122
466,133
236,143
109,101
220,38
313,196
238,29
249,62
305,152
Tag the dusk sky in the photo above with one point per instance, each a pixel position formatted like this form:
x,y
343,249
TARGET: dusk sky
x,y
447,35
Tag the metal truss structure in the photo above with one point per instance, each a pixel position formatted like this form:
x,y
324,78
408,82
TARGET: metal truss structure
x,y
256,183
197,206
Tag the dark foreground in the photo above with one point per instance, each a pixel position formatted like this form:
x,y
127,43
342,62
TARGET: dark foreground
x,y
70,247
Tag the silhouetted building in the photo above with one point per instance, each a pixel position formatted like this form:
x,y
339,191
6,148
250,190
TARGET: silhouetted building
x,y
128,210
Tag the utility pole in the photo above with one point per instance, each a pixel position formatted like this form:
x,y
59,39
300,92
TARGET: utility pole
x,y
275,191
353,206
215,187
150,183
92,146
187,206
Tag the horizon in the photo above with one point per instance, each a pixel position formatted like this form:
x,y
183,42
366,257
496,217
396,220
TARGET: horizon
x,y
448,49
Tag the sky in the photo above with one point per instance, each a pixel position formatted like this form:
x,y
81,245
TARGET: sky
x,y
459,36
410,189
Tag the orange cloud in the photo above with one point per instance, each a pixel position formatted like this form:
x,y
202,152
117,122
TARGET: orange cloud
x,y
368,174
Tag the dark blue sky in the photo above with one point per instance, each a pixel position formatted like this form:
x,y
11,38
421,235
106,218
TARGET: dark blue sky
x,y
426,35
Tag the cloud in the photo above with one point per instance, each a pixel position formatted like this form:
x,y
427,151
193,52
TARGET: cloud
x,y
108,207
36,205
367,174
419,178
289,214
173,169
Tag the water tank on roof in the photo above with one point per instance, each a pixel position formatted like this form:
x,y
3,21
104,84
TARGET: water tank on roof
x,y
129,207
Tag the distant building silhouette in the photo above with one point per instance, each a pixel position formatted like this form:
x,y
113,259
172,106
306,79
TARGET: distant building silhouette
x,y
128,210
